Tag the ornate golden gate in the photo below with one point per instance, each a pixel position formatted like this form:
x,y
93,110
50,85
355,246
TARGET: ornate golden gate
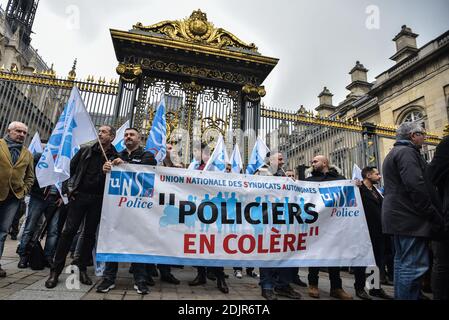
x,y
210,78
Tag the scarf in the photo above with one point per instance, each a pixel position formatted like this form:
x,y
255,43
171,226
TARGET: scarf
x,y
15,148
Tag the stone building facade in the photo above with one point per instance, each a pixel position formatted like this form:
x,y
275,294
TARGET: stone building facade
x,y
416,88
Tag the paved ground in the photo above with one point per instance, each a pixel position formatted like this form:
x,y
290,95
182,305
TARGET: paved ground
x,y
29,285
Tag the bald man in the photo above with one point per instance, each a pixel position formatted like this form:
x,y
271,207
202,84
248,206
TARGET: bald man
x,y
16,177
323,171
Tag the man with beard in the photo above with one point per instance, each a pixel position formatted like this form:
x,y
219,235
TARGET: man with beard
x,y
86,188
323,171
372,203
133,154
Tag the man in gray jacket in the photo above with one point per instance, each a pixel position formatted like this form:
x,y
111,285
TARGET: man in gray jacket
x,y
407,212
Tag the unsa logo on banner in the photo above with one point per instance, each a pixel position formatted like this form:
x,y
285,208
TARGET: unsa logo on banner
x,y
133,184
338,197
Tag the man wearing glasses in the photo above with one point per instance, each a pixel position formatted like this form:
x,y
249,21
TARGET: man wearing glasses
x,y
407,211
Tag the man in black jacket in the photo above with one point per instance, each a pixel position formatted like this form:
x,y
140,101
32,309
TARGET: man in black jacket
x,y
322,171
407,211
372,204
86,188
133,154
439,176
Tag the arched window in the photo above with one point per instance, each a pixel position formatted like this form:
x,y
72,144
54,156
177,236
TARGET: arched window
x,y
414,116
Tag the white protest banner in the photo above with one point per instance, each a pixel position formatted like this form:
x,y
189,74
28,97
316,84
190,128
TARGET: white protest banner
x,y
181,217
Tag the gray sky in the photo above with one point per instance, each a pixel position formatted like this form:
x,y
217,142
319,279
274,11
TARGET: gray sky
x,y
317,42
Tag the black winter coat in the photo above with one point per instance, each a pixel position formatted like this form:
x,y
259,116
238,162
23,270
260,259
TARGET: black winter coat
x,y
79,163
438,173
331,175
373,211
407,208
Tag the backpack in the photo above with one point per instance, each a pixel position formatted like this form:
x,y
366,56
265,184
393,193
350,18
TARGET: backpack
x,y
37,258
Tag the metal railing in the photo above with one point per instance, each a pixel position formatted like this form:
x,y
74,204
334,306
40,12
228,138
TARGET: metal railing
x,y
38,100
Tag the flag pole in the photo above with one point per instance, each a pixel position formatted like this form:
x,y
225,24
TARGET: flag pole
x,y
96,132
102,149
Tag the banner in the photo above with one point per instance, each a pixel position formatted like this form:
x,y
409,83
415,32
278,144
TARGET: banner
x,y
180,217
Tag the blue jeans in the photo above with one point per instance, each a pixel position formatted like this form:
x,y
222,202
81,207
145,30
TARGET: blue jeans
x,y
275,277
36,209
411,262
8,209
139,272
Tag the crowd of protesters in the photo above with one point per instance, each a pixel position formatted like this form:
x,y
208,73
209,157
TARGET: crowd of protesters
x,y
408,221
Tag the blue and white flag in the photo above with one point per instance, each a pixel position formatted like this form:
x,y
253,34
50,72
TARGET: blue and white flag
x,y
119,141
73,129
236,160
258,156
356,173
219,158
157,138
194,165
36,144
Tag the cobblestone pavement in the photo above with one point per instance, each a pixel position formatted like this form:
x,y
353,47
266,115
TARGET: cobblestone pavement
x,y
26,284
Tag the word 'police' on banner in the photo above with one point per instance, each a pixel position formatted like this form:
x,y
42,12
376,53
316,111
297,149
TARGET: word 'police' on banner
x,y
180,217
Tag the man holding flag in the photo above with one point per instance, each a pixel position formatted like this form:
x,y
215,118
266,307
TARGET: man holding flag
x,y
60,161
86,188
